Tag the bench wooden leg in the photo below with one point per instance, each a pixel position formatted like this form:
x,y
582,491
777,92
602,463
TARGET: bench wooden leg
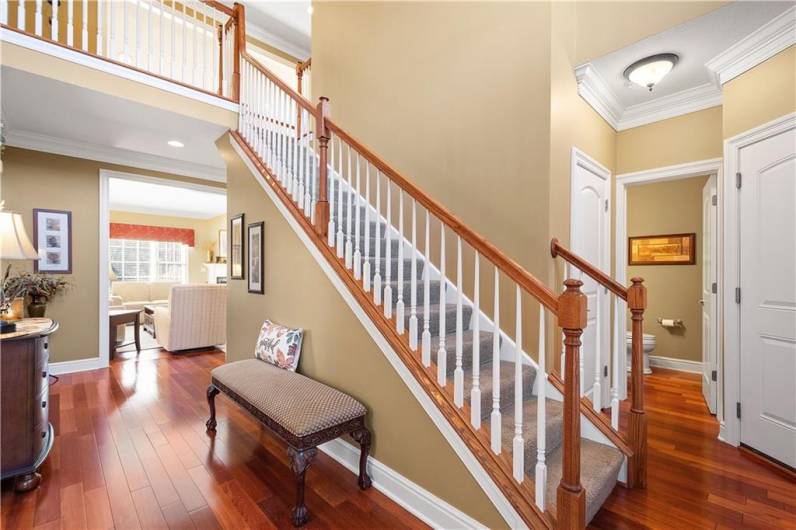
x,y
212,391
300,461
362,436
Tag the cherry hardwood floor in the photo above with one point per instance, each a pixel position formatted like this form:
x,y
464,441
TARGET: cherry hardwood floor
x,y
695,481
131,452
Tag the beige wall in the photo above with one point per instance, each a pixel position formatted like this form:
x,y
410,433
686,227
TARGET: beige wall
x,y
673,291
205,236
760,95
338,351
686,138
31,179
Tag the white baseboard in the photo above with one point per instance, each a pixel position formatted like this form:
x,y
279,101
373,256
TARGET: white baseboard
x,y
81,365
681,365
419,502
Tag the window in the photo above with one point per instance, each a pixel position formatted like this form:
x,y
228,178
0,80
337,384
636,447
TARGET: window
x,y
148,261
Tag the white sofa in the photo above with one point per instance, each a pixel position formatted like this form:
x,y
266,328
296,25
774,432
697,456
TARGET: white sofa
x,y
135,295
196,317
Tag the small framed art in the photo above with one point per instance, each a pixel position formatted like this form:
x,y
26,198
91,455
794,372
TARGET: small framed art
x,y
52,235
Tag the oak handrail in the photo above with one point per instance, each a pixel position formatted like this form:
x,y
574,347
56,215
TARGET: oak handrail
x,y
301,100
557,249
219,7
486,249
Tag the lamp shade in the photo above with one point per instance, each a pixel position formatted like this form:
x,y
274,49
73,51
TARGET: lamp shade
x,y
14,241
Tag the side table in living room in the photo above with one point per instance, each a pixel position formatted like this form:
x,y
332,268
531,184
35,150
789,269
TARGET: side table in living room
x,y
124,316
26,435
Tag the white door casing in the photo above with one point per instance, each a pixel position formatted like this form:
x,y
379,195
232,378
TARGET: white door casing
x,y
709,293
590,238
767,243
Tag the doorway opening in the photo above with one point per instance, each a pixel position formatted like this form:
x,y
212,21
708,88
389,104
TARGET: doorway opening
x,y
668,232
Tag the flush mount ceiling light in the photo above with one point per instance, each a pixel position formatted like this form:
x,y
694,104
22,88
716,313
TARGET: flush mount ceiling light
x,y
649,71
176,143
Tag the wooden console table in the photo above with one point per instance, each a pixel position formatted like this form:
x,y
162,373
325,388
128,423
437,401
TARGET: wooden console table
x,y
26,434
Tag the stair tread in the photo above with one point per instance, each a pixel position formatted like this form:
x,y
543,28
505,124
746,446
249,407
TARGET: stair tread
x,y
599,469
554,416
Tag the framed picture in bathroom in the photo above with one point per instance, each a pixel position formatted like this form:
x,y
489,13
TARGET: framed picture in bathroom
x,y
667,249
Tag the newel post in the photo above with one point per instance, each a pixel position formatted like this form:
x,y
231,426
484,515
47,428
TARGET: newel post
x,y
322,206
637,302
571,495
239,47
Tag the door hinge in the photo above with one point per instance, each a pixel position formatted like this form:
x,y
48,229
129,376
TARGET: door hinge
x,y
738,410
714,288
605,371
738,180
714,200
714,375
737,295
606,205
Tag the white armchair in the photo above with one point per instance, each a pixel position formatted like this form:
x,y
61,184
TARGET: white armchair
x,y
196,317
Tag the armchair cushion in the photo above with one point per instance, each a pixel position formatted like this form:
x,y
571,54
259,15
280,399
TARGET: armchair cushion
x,y
279,345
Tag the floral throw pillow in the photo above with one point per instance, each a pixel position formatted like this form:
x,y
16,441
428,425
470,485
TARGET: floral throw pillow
x,y
279,345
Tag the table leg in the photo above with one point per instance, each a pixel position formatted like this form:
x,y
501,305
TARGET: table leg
x,y
112,336
137,325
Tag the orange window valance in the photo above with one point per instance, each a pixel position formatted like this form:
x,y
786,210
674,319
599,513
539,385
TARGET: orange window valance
x,y
152,233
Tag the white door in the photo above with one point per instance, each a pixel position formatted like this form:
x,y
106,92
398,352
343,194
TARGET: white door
x,y
709,290
590,239
767,228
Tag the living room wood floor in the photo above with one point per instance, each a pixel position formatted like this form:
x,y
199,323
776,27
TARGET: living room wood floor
x,y
131,452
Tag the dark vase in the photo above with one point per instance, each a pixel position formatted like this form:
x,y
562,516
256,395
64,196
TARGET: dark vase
x,y
36,310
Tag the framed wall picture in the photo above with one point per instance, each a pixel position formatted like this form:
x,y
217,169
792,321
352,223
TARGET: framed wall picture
x,y
236,247
668,249
255,261
52,235
222,243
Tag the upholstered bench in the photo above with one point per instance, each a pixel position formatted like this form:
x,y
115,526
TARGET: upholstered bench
x,y
301,411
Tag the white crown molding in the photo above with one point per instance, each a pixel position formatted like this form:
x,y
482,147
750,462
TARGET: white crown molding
x,y
90,61
299,52
113,155
760,45
593,88
677,104
418,501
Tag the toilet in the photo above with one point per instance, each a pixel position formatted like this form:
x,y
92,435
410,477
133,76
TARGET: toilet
x,y
649,347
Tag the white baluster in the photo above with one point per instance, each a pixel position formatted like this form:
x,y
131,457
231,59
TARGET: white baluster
x,y
21,15
111,30
4,9
349,245
38,18
84,29
54,28
442,354
136,49
413,283
173,58
185,64
425,340
332,179
161,47
100,19
387,254
340,209
376,261
358,222
596,391
541,418
458,372
619,345
366,266
70,23
150,8
495,425
518,444
400,307
475,391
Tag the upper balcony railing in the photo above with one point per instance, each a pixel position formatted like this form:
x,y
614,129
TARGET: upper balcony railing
x,y
192,43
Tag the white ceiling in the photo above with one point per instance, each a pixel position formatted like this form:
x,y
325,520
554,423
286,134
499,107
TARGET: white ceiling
x,y
68,119
177,200
696,42
284,25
